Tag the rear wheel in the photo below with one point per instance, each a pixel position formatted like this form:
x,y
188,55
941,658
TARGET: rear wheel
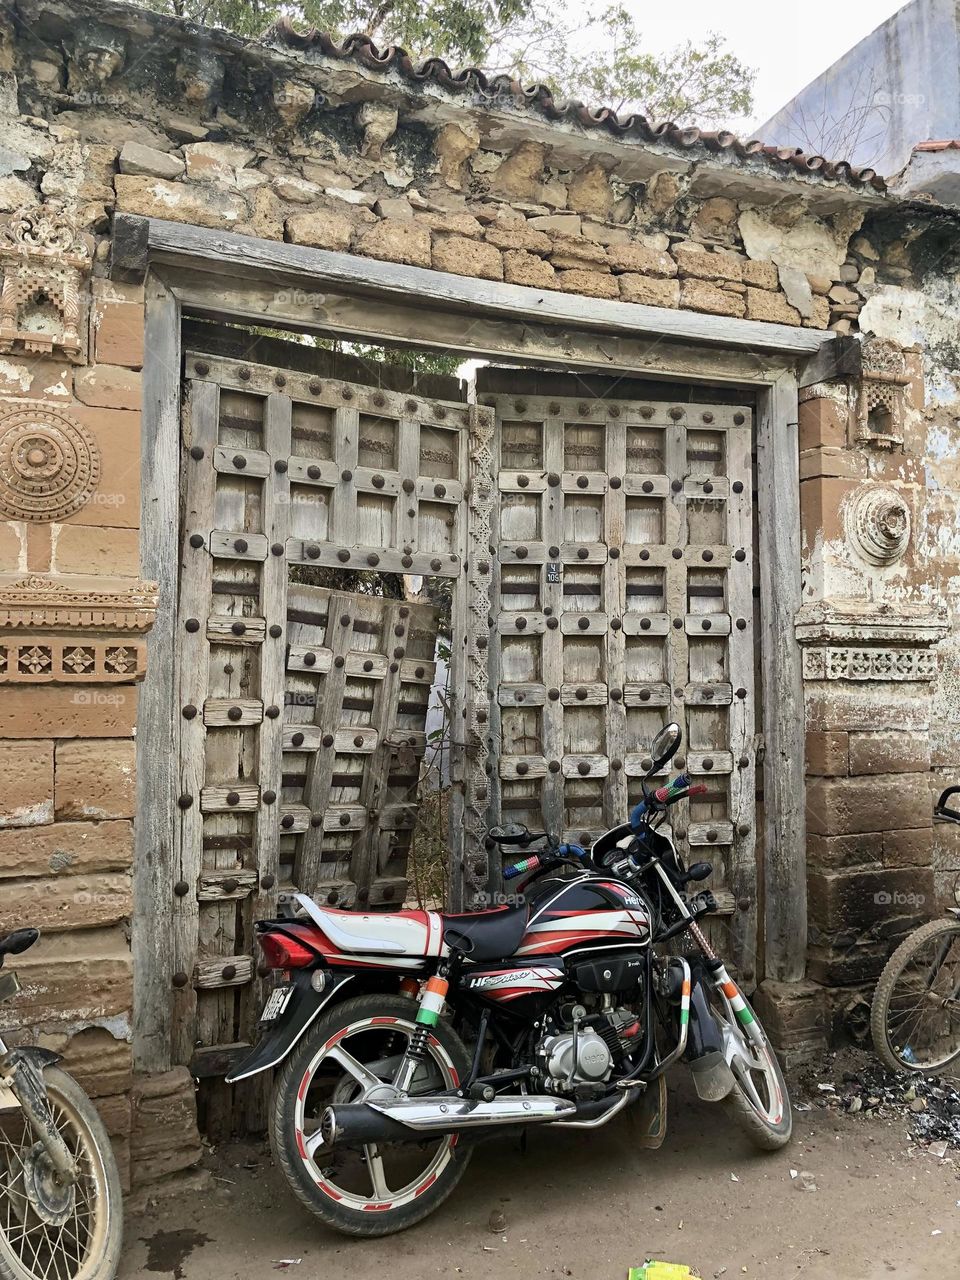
x,y
374,1189
759,1101
915,1016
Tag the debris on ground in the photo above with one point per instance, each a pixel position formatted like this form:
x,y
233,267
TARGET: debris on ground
x,y
930,1105
652,1270
498,1221
806,1181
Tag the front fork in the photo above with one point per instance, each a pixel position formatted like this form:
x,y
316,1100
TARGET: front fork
x,y
21,1071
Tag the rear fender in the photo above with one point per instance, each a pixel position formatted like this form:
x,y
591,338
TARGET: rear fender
x,y
280,1037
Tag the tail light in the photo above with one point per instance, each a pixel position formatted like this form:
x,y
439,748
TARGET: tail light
x,y
282,951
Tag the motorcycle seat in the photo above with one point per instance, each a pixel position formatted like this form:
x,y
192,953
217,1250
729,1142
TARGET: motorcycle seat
x,y
486,935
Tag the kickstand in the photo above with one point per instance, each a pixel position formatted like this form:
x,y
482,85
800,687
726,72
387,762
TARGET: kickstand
x,y
523,1142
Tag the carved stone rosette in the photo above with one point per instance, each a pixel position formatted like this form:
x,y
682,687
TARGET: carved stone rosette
x,y
52,632
49,464
45,261
877,522
480,577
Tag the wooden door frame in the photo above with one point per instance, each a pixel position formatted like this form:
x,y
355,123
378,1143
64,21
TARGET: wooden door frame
x,y
237,278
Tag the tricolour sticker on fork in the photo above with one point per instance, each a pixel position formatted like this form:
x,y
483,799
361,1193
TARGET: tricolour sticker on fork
x,y
737,1002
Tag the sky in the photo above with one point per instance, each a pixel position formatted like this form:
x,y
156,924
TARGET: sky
x,y
788,44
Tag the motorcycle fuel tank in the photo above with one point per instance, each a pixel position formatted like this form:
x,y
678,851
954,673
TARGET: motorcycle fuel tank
x,y
582,914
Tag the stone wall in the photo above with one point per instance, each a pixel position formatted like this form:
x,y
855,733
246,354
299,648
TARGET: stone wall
x,y
107,108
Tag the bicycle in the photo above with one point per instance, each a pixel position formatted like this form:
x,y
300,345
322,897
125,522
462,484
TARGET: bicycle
x,y
915,1014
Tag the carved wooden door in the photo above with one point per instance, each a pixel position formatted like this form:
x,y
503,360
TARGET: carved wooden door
x,y
623,599
302,702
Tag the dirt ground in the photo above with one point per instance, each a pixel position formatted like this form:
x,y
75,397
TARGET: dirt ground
x,y
591,1205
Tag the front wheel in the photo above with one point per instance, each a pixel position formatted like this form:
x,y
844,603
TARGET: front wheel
x,y
758,1101
377,1188
51,1230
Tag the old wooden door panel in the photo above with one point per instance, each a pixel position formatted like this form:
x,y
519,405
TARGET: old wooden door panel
x,y
623,599
302,706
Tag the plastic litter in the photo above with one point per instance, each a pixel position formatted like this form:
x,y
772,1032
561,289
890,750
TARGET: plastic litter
x,y
652,1270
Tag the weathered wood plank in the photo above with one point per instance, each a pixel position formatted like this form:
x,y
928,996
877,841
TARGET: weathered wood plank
x,y
157,716
785,893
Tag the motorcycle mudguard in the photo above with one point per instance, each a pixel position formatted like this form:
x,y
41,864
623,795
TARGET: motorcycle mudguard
x,y
649,1115
712,1076
281,1036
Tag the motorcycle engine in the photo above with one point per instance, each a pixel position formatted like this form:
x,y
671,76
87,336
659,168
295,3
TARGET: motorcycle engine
x,y
588,1054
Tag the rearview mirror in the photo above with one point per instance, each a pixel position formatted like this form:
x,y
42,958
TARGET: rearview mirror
x,y
665,745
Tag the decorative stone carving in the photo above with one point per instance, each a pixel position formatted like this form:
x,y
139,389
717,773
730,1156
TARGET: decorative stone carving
x,y
880,409
45,660
49,464
44,260
94,604
877,522
860,640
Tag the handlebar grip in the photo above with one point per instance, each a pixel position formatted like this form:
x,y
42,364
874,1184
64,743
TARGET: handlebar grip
x,y
698,789
522,867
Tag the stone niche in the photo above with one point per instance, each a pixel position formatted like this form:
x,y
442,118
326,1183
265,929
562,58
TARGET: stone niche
x,y
45,263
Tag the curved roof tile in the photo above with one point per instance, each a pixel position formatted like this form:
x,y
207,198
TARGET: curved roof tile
x,y
540,97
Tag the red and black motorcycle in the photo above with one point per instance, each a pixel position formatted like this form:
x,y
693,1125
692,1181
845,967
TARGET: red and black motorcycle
x,y
401,1038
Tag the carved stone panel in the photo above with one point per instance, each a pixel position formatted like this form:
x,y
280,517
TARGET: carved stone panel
x,y
49,464
45,261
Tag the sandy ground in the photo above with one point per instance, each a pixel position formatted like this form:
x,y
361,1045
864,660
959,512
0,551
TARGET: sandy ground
x,y
591,1205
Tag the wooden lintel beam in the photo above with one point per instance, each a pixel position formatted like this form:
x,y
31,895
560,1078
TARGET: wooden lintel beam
x,y
245,258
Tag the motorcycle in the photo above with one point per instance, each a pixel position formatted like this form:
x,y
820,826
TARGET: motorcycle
x,y
61,1210
401,1038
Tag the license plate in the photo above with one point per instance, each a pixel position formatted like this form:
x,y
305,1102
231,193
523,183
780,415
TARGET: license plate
x,y
278,1001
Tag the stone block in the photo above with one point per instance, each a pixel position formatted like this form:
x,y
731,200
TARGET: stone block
x,y
594,284
520,175
908,848
716,219
115,1112
826,753
694,260
561,223
794,1016
321,228
832,463
840,852
100,1063
137,159
454,144
641,259
106,386
200,204
819,313
889,705
72,848
164,1137
823,424
518,236
466,257
761,275
115,503
879,901
454,224
98,549
26,790
520,267
216,161
589,192
889,752
71,980
296,190
396,241
66,902
700,295
771,307
649,290
12,546
572,252
118,333
62,711
847,806
96,779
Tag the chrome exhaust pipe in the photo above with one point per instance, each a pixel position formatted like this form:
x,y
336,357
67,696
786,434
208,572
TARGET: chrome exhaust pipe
x,y
407,1118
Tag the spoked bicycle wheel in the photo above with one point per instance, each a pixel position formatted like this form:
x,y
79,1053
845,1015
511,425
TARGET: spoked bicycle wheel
x,y
915,1017
49,1229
